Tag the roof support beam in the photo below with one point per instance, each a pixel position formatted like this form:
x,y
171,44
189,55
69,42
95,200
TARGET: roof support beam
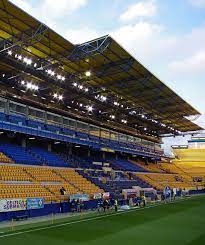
x,y
90,49
24,39
113,68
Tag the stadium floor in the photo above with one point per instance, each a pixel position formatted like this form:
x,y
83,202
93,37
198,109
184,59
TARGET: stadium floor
x,y
181,223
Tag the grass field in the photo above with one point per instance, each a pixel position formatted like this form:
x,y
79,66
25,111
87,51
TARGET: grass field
x,y
176,223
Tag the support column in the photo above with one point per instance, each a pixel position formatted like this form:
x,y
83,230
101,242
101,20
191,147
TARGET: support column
x,y
23,143
103,155
70,149
49,146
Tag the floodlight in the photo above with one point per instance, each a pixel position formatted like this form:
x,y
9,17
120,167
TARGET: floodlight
x,y
88,73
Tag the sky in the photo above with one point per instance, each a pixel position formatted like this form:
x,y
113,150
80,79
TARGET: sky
x,y
166,36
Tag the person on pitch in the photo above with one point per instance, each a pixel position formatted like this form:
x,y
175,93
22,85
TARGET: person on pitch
x,y
116,205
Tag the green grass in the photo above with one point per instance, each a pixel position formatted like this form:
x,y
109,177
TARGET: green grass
x,y
177,223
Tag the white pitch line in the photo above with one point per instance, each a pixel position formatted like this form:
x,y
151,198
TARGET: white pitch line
x,y
83,220
73,222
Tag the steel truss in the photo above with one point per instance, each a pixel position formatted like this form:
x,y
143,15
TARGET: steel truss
x,y
89,49
24,39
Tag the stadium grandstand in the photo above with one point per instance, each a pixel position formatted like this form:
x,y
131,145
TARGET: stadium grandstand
x,y
83,122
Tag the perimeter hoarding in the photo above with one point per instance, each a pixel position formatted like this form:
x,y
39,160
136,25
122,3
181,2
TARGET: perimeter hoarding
x,y
97,195
8,205
81,197
35,203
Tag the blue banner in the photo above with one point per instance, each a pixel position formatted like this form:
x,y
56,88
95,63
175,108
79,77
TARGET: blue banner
x,y
35,203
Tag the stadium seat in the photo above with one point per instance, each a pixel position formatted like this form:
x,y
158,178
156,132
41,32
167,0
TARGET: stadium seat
x,y
4,158
151,167
47,157
160,180
19,154
125,165
81,183
42,181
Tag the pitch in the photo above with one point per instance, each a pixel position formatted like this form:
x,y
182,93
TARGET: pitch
x,y
181,223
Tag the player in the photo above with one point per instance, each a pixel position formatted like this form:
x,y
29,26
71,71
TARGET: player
x,y
99,205
116,205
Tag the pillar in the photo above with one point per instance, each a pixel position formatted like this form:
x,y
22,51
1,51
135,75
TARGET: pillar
x,y
23,143
49,146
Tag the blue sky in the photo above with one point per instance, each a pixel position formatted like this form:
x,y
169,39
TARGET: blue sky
x,y
167,36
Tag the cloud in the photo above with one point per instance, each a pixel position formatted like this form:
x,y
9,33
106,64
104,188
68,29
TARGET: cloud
x,y
49,11
139,39
141,9
81,35
198,3
200,121
151,43
25,5
193,64
134,38
60,8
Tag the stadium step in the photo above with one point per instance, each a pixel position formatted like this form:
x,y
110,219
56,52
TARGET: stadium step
x,y
66,180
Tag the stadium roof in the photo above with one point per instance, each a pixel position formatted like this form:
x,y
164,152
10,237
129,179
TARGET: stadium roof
x,y
98,75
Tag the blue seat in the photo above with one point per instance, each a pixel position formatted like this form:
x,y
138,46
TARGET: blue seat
x,y
81,135
35,124
3,116
17,119
67,131
125,165
50,158
52,128
19,154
